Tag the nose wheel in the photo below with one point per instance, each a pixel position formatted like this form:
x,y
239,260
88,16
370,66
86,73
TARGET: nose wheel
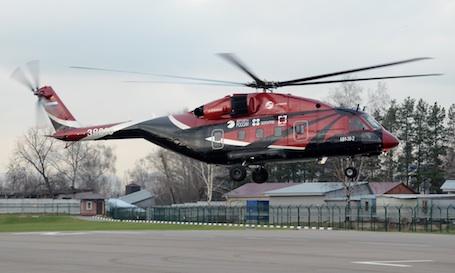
x,y
259,174
350,172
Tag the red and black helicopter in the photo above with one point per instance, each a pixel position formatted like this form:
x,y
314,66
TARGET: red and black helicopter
x,y
243,130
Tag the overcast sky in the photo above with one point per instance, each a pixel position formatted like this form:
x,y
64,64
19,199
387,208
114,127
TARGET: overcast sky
x,y
278,40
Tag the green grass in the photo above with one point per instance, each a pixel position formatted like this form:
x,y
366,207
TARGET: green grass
x,y
16,223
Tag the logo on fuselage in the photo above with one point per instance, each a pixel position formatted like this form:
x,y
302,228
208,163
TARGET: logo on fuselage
x,y
243,123
231,124
282,120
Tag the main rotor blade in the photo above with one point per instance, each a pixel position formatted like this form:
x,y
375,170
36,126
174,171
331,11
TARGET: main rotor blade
x,y
159,75
362,79
193,83
34,69
19,75
230,57
292,82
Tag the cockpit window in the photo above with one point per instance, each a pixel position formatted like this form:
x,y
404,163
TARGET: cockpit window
x,y
371,121
356,124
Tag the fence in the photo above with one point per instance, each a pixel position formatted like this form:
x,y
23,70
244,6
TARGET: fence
x,y
386,218
40,206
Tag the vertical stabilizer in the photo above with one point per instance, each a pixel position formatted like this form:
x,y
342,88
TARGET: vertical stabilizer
x,y
57,112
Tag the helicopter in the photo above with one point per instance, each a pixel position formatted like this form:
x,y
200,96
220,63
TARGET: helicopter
x,y
243,131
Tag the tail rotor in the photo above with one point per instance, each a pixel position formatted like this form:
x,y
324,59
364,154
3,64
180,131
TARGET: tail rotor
x,y
30,77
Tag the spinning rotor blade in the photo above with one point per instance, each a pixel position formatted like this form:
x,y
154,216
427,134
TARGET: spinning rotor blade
x,y
33,68
292,82
230,57
362,79
159,75
214,83
40,116
19,75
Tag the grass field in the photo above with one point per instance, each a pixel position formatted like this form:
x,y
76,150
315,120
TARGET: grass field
x,y
34,223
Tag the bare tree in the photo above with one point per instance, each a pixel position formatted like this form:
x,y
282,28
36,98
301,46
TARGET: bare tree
x,y
347,94
97,166
69,161
37,151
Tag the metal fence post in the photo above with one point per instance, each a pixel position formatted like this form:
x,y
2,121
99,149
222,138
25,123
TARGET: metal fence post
x,y
386,221
448,218
399,217
309,215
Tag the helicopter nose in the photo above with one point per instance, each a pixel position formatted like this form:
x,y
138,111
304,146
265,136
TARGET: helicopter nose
x,y
389,141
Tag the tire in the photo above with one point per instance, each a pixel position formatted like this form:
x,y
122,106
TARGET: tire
x,y
237,173
350,172
260,175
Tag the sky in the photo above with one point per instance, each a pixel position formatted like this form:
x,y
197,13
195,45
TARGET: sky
x,y
277,40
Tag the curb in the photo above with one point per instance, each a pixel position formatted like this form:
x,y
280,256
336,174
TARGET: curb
x,y
248,226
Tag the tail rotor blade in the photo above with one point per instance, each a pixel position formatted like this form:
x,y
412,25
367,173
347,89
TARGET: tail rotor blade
x,y
19,75
34,69
40,116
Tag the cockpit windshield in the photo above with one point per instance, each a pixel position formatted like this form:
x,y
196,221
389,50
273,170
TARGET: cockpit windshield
x,y
371,121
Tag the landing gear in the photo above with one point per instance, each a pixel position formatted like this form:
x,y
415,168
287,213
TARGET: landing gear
x,y
259,173
350,172
237,173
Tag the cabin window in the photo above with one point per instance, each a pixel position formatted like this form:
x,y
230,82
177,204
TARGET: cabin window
x,y
278,131
300,130
367,205
217,139
241,134
355,124
217,136
259,132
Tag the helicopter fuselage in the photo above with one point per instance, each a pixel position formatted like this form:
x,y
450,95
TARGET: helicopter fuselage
x,y
254,129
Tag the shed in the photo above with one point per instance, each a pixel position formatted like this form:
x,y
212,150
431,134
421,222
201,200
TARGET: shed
x,y
448,186
92,204
252,191
142,198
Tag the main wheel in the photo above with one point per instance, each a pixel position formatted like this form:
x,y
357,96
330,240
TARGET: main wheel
x,y
260,175
237,173
350,172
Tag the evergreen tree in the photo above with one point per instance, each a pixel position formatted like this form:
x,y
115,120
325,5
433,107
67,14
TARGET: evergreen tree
x,y
388,162
437,148
405,120
420,134
449,132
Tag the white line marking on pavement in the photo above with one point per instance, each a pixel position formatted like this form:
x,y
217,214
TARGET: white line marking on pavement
x,y
390,244
394,263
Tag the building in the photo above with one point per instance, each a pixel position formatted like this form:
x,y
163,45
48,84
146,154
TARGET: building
x,y
141,198
448,187
92,204
252,191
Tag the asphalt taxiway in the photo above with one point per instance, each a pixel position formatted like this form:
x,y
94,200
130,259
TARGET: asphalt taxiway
x,y
226,251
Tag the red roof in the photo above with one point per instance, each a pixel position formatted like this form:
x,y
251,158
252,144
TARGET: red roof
x,y
383,187
256,190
